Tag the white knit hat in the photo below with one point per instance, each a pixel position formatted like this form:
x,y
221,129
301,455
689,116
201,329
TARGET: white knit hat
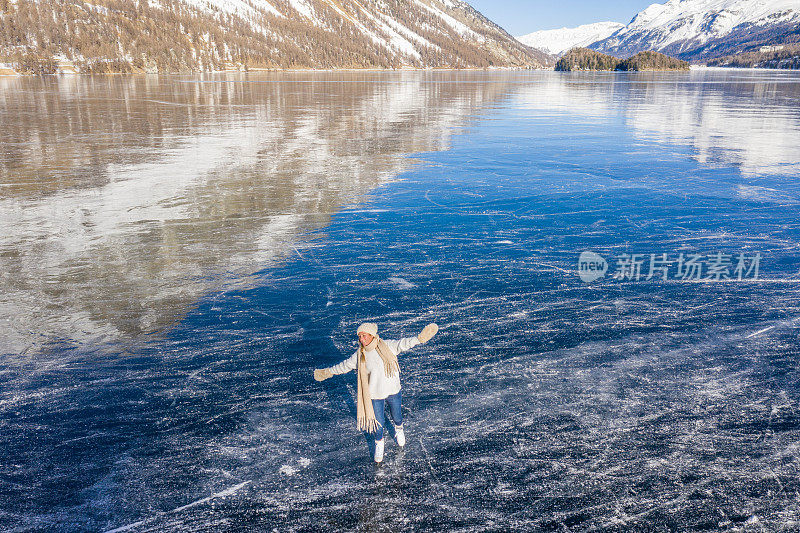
x,y
368,327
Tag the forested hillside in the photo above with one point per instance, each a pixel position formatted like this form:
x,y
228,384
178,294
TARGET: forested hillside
x,y
177,36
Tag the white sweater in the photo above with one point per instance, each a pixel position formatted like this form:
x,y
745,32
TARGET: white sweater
x,y
380,386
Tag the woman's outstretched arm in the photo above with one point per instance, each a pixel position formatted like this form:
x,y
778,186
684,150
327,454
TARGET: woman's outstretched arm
x,y
347,365
407,343
398,346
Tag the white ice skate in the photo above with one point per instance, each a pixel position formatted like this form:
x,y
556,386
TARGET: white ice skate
x,y
400,435
378,451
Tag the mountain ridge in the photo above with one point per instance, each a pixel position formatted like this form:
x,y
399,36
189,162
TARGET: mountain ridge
x,y
37,36
558,41
702,29
693,30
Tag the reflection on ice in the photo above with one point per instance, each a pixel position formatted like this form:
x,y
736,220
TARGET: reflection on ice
x,y
126,199
749,121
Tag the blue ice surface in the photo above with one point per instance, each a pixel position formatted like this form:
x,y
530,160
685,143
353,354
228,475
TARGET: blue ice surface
x,y
543,403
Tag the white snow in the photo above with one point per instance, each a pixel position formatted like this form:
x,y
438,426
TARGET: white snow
x,y
129,527
406,31
396,41
559,41
371,34
702,20
695,21
402,284
460,28
241,8
382,29
222,494
759,332
287,470
304,8
335,6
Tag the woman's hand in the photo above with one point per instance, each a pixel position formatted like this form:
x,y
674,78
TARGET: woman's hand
x,y
321,374
427,332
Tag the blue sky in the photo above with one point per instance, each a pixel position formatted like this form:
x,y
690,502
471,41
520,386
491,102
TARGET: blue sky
x,y
519,17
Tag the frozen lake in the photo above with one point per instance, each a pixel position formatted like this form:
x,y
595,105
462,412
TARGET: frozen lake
x,y
179,253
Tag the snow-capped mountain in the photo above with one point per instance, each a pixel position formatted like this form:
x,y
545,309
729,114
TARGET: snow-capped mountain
x,y
698,29
558,41
181,35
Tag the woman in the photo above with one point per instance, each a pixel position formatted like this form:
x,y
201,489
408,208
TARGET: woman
x,y
378,378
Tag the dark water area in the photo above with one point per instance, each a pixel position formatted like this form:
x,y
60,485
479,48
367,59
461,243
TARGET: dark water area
x,y
157,368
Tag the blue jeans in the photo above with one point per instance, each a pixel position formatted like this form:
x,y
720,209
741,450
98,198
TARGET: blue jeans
x,y
394,409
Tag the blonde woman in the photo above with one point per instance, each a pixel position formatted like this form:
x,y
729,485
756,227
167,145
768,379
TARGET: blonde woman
x,y
378,379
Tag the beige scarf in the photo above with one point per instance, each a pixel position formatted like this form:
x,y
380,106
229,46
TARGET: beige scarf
x,y
364,412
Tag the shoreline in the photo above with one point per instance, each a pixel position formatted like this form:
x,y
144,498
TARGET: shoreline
x,y
7,71
70,70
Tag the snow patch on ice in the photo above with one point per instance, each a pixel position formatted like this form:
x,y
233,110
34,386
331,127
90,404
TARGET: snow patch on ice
x,y
222,494
287,470
767,194
227,492
402,283
129,527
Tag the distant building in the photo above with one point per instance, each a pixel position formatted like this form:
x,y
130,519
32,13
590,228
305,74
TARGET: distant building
x,y
774,48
